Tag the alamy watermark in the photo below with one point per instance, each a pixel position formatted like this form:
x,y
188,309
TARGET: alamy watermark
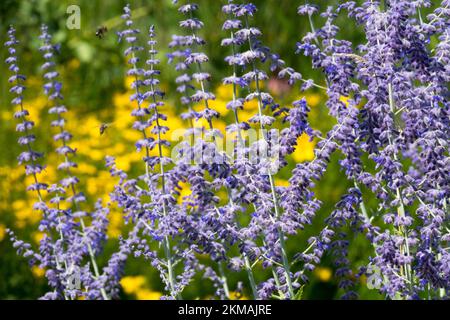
x,y
73,21
73,278
375,279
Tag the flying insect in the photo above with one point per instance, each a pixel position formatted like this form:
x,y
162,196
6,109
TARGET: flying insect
x,y
101,31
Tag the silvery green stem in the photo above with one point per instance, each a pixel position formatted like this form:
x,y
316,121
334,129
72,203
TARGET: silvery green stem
x,y
36,180
401,207
83,226
242,145
284,257
167,249
224,280
251,278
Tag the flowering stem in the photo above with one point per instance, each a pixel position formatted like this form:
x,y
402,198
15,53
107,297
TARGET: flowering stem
x,y
167,249
83,226
313,29
211,127
144,134
58,264
284,257
247,264
166,241
224,280
27,132
36,180
401,208
362,205
241,145
68,172
251,278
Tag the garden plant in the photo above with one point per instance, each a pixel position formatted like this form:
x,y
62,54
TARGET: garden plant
x,y
224,196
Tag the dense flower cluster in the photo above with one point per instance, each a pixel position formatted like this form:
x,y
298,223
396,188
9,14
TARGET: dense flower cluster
x,y
389,97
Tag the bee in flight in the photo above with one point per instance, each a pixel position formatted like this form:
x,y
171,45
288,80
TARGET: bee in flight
x,y
101,31
103,127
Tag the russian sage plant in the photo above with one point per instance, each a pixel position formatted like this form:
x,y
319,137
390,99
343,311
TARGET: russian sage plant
x,y
389,97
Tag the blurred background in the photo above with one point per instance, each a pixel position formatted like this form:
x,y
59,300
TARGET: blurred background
x,y
97,91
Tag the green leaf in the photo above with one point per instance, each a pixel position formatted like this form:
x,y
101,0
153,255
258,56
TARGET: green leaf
x,y
299,294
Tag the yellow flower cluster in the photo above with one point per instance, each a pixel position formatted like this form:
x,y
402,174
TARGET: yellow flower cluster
x,y
304,150
37,272
323,274
237,296
136,285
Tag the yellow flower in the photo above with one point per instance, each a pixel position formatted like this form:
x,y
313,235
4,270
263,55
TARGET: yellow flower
x,y
29,180
114,233
115,224
237,296
220,125
202,122
220,106
225,92
119,148
121,100
281,183
2,232
129,81
19,204
184,192
176,129
344,100
304,150
81,147
123,162
24,213
37,272
65,205
250,105
123,120
136,157
198,107
261,84
132,135
313,99
323,274
92,126
49,174
15,173
245,115
91,186
37,236
132,284
35,106
96,155
145,294
101,184
85,168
